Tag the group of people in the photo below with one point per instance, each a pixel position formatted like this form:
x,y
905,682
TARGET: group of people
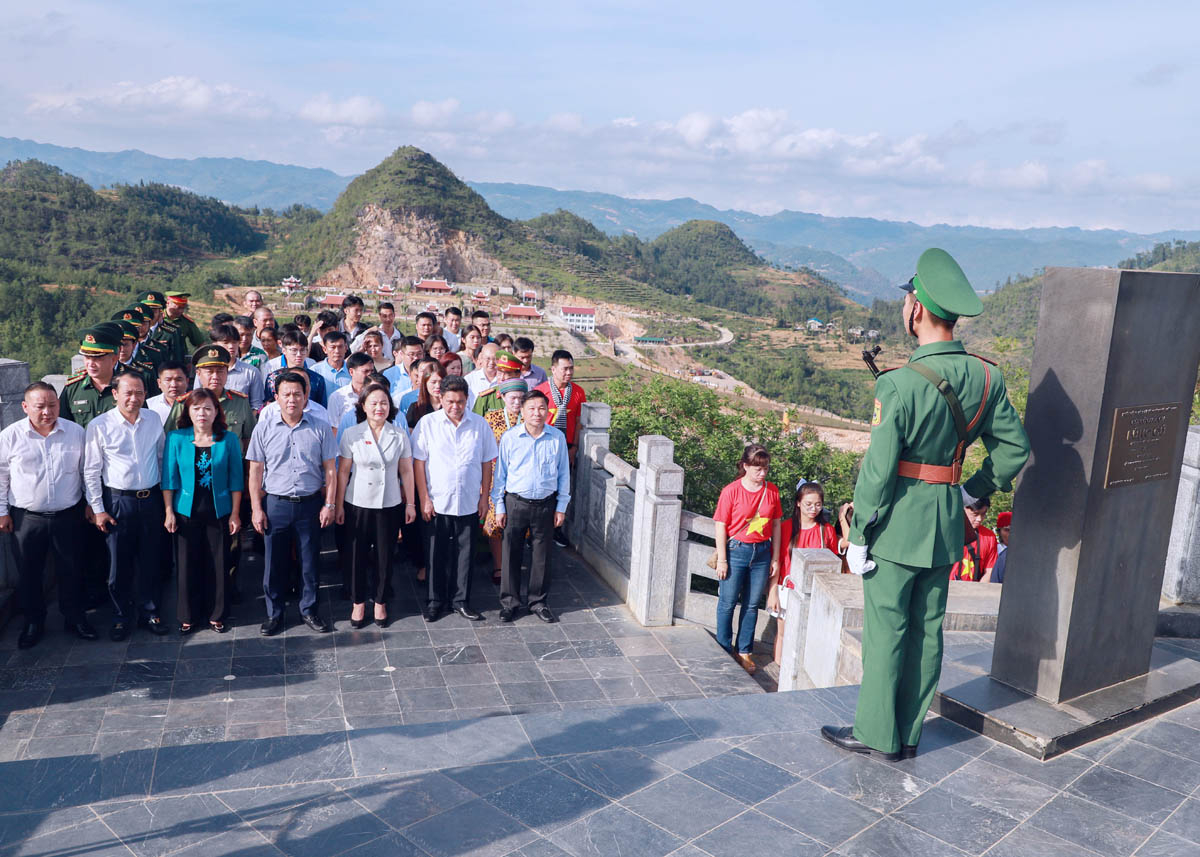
x,y
147,462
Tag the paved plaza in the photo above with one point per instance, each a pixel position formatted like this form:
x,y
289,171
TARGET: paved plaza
x,y
594,736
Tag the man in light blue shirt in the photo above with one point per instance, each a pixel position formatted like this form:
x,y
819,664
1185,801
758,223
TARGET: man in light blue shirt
x,y
411,350
292,458
333,369
532,490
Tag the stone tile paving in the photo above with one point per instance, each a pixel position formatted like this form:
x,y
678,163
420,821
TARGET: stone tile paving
x,y
66,696
704,776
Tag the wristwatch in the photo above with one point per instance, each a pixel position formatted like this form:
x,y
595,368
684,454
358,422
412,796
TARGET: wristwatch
x,y
331,506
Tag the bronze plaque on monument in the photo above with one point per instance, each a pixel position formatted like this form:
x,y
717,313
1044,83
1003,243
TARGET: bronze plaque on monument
x,y
1143,442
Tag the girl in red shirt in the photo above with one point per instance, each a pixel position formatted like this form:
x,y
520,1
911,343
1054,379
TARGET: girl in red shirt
x,y
747,519
803,529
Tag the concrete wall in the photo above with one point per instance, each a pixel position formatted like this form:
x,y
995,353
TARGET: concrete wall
x,y
1181,582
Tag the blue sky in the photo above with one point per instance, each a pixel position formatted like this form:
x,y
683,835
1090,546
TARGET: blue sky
x,y
1014,114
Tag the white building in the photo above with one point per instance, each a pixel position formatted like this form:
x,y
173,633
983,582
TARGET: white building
x,y
580,318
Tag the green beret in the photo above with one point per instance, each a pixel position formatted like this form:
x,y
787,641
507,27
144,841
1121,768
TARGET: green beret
x,y
129,330
133,314
103,338
942,288
155,300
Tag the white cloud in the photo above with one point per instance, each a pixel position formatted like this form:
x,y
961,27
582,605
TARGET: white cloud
x,y
432,114
695,128
356,110
568,123
181,94
1031,175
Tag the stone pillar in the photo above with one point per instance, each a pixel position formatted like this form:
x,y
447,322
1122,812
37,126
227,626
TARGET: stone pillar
x,y
594,421
656,515
14,378
806,563
1181,582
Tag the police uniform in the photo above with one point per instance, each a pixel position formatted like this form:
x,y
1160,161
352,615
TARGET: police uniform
x,y
908,510
81,401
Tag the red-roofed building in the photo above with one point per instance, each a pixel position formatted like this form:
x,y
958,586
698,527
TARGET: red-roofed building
x,y
529,296
525,312
580,318
432,287
333,301
483,294
386,289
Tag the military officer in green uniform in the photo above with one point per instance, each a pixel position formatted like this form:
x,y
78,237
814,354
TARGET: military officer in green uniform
x,y
155,301
130,356
89,393
907,526
212,368
177,330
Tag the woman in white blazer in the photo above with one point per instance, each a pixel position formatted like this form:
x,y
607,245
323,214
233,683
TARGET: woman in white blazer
x,y
375,493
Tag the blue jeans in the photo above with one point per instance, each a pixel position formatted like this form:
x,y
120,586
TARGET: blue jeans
x,y
749,571
285,521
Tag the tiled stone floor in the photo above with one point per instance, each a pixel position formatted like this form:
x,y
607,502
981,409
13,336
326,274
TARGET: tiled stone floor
x,y
66,696
721,776
150,755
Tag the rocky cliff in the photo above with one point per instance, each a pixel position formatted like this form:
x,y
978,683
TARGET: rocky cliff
x,y
398,245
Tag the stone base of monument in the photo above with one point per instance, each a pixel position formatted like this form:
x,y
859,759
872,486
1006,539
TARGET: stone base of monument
x,y
970,697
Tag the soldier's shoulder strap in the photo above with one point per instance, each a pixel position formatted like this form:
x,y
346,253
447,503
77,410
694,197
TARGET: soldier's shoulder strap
x,y
78,376
235,394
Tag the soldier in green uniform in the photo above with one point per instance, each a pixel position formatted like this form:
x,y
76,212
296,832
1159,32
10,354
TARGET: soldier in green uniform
x,y
132,358
212,369
179,330
89,393
907,526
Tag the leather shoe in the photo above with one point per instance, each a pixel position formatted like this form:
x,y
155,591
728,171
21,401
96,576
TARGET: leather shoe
x,y
315,622
119,631
31,635
507,614
843,736
272,626
467,613
747,662
432,612
154,624
543,613
82,629
908,751
358,623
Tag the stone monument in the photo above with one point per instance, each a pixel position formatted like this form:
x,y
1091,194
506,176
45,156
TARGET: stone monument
x,y
1111,387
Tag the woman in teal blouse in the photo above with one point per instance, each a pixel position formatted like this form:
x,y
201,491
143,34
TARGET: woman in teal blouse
x,y
202,490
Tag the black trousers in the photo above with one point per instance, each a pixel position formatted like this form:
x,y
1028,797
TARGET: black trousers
x,y
37,535
450,558
134,551
538,517
202,557
371,534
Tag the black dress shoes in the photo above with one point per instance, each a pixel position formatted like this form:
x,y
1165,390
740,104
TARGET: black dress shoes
x,y
432,612
358,623
543,613
119,631
843,736
467,613
31,635
272,626
908,751
315,622
507,614
154,624
82,629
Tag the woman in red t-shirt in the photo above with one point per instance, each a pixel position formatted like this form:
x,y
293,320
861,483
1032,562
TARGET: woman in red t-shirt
x,y
747,519
803,529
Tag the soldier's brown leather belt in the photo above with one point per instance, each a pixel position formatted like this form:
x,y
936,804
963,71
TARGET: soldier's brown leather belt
x,y
934,474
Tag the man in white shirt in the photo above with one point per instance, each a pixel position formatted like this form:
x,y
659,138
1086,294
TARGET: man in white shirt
x,y
122,456
452,327
393,339
485,375
453,454
41,494
345,398
172,380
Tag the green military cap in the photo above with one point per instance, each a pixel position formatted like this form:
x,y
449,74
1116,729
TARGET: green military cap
x,y
133,314
155,300
129,329
178,297
942,287
100,339
211,355
148,310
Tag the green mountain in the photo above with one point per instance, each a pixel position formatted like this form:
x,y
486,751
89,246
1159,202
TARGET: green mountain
x,y
235,180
